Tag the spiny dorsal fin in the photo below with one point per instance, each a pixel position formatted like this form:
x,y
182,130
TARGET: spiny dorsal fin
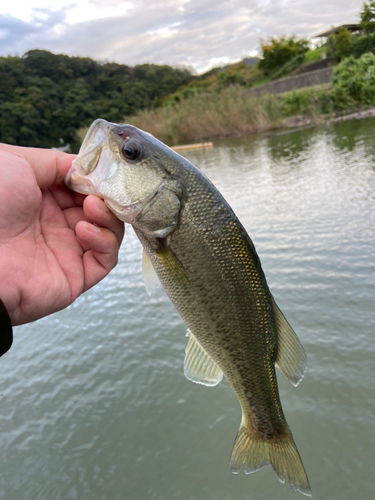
x,y
291,357
198,366
150,278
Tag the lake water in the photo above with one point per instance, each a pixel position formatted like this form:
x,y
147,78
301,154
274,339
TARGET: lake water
x,y
93,401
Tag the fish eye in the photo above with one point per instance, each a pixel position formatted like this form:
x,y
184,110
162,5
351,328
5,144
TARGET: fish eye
x,y
130,151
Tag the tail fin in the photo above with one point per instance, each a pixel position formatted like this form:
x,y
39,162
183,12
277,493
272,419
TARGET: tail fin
x,y
253,452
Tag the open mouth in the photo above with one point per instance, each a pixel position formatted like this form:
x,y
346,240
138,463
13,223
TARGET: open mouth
x,y
82,176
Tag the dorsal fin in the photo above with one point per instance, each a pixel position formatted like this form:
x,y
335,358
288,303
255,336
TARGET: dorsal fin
x,y
198,366
291,357
150,278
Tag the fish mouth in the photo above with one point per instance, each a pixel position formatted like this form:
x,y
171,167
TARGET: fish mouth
x,y
95,164
88,169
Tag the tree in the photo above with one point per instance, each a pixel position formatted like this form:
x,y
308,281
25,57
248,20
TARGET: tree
x,y
46,96
368,17
277,52
340,44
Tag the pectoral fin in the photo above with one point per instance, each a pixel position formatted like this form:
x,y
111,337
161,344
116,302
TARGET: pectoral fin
x,y
150,278
198,366
291,357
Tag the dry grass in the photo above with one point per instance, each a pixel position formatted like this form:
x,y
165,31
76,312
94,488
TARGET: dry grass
x,y
231,112
234,111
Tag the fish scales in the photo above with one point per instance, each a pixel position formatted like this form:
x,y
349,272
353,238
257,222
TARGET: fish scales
x,y
208,266
225,276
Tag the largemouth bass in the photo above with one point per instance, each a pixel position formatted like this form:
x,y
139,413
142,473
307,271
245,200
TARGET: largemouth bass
x,y
206,262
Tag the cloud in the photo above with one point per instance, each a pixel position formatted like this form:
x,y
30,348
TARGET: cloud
x,y
20,36
179,32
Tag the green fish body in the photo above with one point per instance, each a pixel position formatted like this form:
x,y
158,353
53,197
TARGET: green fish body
x,y
196,247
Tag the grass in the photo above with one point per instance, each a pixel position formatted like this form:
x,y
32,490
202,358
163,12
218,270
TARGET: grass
x,y
232,112
262,81
235,110
315,55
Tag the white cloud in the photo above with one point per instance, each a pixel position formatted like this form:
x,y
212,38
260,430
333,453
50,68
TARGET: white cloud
x,y
198,33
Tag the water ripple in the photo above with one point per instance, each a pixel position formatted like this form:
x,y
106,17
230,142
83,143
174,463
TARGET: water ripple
x,y
94,404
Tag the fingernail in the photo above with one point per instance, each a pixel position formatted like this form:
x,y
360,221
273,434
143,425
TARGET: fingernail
x,y
93,228
100,203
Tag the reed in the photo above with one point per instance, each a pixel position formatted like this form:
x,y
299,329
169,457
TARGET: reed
x,y
231,112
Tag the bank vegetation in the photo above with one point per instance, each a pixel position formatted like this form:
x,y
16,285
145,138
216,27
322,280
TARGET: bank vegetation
x,y
222,102
235,110
45,97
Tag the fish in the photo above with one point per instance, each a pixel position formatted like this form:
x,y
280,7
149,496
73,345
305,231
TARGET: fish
x,y
195,246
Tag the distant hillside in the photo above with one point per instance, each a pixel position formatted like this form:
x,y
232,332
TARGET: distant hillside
x,y
46,96
249,61
245,73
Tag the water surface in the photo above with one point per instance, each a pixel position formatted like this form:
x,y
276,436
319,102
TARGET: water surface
x,y
94,404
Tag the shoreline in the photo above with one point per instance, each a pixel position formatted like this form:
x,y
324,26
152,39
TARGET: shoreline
x,y
305,120
162,127
298,122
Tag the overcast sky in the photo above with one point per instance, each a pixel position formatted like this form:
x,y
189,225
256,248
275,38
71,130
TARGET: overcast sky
x,y
193,33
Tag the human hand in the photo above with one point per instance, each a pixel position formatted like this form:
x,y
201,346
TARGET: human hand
x,y
54,244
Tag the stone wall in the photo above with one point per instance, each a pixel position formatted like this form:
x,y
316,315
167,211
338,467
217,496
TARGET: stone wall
x,y
309,79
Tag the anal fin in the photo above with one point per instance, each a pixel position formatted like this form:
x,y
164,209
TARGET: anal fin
x,y
198,366
291,357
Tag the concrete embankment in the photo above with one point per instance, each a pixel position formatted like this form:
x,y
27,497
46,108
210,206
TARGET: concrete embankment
x,y
317,77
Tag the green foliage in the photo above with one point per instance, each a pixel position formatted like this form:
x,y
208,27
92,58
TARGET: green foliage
x,y
296,102
354,81
288,67
217,80
363,44
312,101
368,17
235,110
45,96
340,45
277,52
343,44
238,74
314,55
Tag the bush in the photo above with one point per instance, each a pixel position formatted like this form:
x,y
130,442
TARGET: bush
x,y
277,52
296,102
354,81
340,45
238,74
288,67
363,44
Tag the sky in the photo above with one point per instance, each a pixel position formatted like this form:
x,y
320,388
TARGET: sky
x,y
198,34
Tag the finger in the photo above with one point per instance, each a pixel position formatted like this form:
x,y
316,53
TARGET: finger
x,y
49,166
102,255
73,216
66,198
96,211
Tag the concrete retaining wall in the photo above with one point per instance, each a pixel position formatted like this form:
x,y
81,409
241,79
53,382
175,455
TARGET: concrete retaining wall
x,y
309,79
